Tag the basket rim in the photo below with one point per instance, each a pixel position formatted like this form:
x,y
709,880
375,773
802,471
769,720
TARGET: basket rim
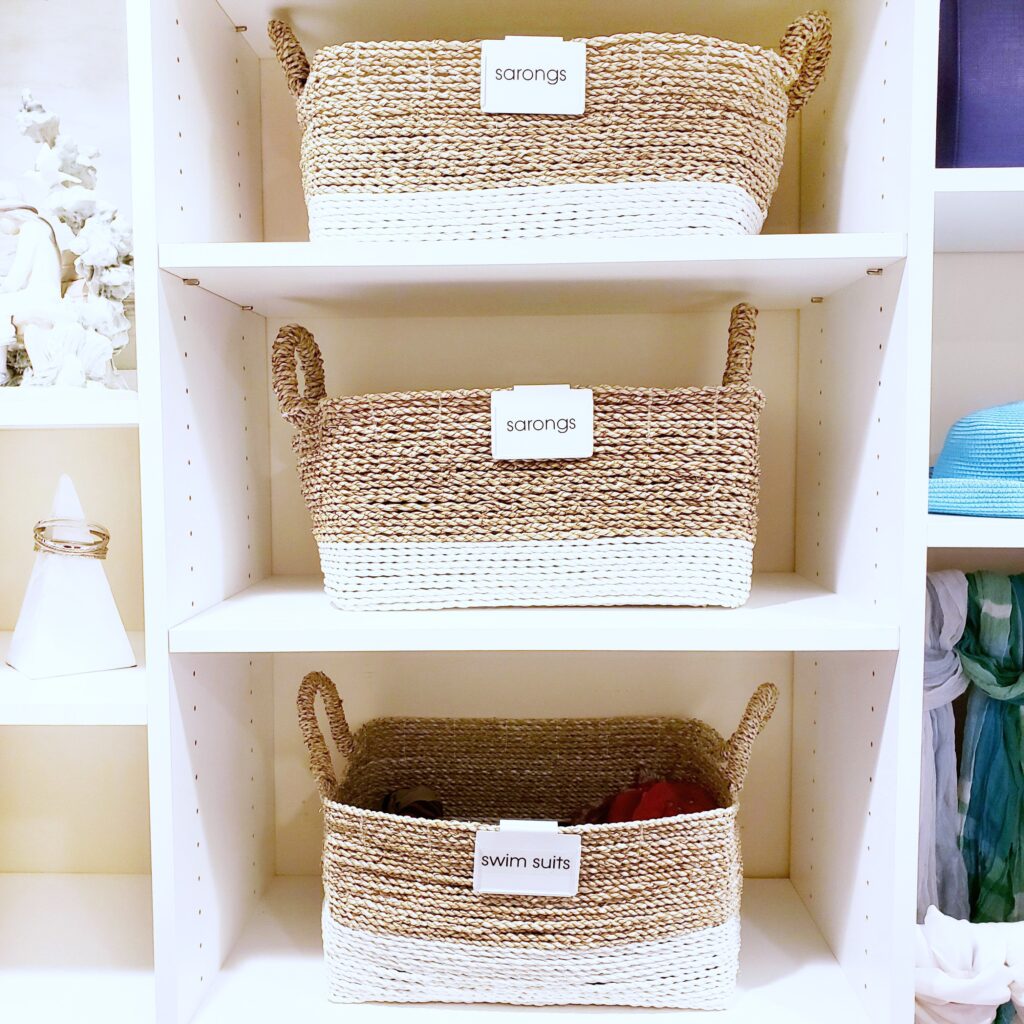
x,y
598,389
468,825
463,824
616,37
659,720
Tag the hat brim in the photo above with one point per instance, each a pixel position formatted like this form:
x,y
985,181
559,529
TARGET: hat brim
x,y
957,496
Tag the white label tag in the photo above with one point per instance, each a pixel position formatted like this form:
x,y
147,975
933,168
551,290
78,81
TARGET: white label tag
x,y
532,75
548,421
527,858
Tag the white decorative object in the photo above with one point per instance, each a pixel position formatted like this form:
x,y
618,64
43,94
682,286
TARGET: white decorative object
x,y
69,622
30,291
72,336
32,285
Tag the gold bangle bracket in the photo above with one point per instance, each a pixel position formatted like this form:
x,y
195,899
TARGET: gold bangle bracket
x,y
46,531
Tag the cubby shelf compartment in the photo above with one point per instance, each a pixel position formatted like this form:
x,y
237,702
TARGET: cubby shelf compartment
x,y
45,408
979,209
785,613
94,698
974,532
289,279
76,948
276,971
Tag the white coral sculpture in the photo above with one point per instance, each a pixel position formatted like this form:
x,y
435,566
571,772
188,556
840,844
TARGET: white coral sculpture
x,y
95,235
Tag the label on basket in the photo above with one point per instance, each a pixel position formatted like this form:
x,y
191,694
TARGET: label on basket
x,y
532,75
527,858
546,421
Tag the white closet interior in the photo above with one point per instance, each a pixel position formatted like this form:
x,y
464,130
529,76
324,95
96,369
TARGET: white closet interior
x,y
212,915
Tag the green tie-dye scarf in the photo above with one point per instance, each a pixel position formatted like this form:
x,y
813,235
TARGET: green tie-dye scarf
x,y
991,774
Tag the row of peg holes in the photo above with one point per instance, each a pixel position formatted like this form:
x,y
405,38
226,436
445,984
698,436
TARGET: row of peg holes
x,y
238,124
252,782
188,461
871,779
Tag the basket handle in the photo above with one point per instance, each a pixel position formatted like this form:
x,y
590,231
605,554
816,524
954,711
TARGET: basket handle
x,y
737,750
806,48
295,345
290,55
320,764
739,362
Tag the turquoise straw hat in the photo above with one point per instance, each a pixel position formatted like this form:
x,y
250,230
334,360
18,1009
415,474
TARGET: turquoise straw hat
x,y
980,471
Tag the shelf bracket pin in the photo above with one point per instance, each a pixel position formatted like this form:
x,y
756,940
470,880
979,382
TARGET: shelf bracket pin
x,y
192,282
874,271
241,28
247,309
817,299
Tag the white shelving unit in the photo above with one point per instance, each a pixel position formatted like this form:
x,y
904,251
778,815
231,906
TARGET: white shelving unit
x,y
234,607
554,275
979,210
971,532
76,892
96,698
234,613
785,613
45,408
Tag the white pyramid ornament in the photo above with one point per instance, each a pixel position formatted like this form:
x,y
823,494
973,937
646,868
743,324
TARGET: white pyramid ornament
x,y
69,622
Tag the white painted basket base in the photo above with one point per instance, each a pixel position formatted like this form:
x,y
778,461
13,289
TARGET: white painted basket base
x,y
627,209
692,971
616,571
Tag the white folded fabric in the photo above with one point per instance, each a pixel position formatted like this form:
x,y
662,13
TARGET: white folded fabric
x,y
964,972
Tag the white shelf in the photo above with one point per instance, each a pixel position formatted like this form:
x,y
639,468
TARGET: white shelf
x,y
45,408
297,279
93,698
785,613
979,209
276,971
76,948
974,532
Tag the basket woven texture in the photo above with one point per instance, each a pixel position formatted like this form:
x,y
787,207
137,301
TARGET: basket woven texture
x,y
410,510
681,134
656,918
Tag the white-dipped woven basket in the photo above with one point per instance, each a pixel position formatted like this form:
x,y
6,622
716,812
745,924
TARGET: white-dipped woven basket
x,y
411,511
681,134
656,921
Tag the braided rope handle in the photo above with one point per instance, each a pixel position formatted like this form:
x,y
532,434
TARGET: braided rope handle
x,y
295,345
290,55
739,361
759,710
320,765
806,47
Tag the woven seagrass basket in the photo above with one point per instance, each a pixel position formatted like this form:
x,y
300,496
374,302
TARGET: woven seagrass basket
x,y
656,918
410,510
681,134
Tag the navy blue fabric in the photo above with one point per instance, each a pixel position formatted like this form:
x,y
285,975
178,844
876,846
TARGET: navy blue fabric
x,y
981,84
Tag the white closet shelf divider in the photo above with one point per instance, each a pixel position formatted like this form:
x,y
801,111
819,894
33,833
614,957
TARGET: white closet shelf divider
x,y
979,209
45,408
974,532
785,613
294,279
94,698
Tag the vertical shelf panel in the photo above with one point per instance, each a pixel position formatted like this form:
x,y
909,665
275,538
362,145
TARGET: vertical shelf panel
x,y
222,780
846,828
